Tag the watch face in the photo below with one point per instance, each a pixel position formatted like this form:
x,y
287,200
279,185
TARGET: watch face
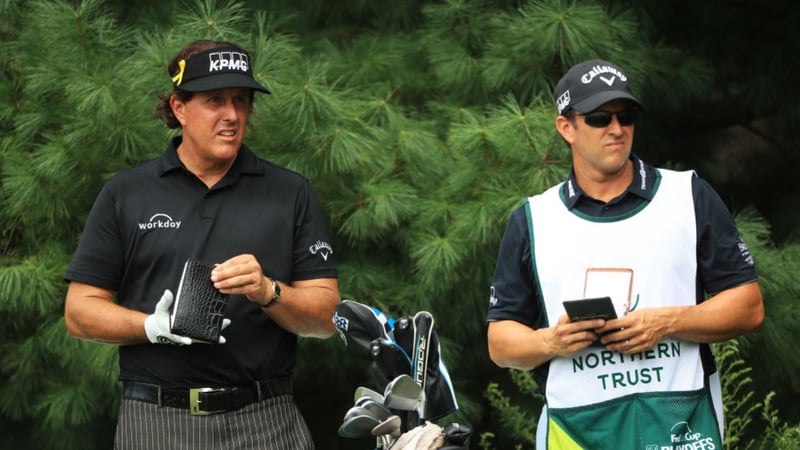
x,y
276,289
276,294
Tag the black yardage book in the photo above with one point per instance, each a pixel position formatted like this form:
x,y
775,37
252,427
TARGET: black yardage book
x,y
199,307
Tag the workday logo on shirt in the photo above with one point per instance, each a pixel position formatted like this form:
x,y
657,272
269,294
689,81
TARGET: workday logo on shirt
x,y
160,221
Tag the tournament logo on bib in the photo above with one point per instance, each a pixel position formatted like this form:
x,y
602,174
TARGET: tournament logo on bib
x,y
682,437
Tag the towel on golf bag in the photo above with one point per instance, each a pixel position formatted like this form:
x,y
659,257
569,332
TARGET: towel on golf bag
x,y
428,436
359,325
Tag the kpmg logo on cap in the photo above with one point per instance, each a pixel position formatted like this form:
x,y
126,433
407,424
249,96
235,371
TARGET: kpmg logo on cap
x,y
602,72
227,61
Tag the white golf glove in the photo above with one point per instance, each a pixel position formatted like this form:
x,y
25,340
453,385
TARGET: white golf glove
x,y
157,325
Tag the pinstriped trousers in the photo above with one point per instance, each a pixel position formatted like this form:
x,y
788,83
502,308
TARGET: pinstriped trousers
x,y
275,423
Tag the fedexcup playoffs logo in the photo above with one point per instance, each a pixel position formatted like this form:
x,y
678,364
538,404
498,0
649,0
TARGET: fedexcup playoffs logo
x,y
682,437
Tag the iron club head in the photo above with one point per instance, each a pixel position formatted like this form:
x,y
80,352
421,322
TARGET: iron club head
x,y
362,391
377,409
358,426
402,393
390,426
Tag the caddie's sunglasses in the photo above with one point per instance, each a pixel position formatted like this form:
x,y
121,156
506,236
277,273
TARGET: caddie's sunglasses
x,y
601,119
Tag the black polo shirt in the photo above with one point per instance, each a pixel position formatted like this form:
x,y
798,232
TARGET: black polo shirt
x,y
722,258
148,220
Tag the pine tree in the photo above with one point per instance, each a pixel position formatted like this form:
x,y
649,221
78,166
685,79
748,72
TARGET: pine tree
x,y
422,125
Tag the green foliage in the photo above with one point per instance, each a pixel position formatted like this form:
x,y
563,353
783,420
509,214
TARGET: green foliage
x,y
741,407
518,423
739,403
772,352
421,124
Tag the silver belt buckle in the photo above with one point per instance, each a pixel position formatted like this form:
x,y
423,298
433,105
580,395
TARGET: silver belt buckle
x,y
194,401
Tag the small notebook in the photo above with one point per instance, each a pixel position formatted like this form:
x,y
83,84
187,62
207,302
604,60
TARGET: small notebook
x,y
199,307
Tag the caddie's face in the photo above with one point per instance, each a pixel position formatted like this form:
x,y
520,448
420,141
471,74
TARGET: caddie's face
x,y
213,123
599,151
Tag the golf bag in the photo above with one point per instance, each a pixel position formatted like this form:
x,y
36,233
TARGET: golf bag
x,y
413,384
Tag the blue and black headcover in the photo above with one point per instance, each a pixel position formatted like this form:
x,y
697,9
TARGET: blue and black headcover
x,y
409,346
358,325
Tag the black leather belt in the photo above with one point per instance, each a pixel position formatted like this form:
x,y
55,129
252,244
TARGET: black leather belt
x,y
206,400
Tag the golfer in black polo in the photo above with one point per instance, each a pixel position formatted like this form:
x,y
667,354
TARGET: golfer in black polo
x,y
208,198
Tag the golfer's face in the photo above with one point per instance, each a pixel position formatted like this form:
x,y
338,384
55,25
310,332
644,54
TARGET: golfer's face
x,y
214,122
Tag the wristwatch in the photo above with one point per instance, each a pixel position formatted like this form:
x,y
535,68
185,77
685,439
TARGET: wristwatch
x,y
276,293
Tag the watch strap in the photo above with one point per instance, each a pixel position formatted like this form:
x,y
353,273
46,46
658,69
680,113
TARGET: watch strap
x,y
276,293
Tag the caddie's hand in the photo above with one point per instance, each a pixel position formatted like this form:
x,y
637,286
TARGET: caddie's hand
x,y
566,337
157,325
639,330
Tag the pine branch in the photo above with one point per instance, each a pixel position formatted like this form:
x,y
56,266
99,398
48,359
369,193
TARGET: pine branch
x,y
517,423
210,19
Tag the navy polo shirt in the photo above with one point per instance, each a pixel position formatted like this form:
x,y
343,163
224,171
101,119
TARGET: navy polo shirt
x,y
148,220
723,261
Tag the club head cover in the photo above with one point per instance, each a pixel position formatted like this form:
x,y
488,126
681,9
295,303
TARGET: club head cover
x,y
388,362
439,393
358,325
403,333
423,329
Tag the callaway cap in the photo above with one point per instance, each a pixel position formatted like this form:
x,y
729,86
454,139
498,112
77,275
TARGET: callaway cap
x,y
217,68
590,84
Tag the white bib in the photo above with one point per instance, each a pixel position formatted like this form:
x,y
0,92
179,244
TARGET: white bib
x,y
657,244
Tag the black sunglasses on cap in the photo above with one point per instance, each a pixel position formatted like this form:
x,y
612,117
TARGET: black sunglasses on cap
x,y
601,119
